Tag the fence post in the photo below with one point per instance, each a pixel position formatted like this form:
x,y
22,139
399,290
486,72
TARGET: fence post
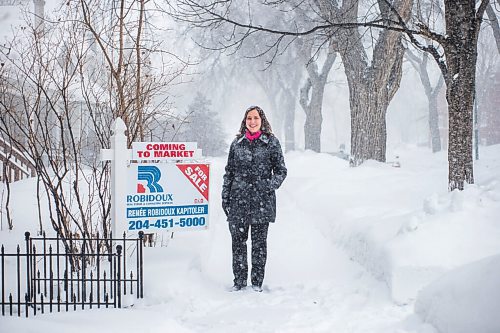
x,y
28,280
140,273
124,264
44,264
98,263
3,282
27,300
66,279
18,266
84,273
58,275
118,277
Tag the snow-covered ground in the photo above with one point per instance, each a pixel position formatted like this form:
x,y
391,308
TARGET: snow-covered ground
x,y
368,249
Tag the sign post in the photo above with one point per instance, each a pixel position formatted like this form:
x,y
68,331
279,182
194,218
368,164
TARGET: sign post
x,y
119,156
167,190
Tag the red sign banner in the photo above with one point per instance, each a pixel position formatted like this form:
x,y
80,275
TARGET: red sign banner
x,y
198,175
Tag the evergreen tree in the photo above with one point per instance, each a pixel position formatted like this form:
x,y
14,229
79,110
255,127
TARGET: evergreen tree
x,y
204,126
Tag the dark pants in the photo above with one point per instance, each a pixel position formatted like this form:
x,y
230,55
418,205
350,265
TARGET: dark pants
x,y
239,236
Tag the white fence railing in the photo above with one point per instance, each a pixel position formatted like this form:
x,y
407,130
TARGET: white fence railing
x,y
14,165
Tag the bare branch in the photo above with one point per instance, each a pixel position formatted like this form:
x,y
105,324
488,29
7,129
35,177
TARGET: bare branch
x,y
493,20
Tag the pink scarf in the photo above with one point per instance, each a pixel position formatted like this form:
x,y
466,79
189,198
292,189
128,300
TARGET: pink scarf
x,y
251,136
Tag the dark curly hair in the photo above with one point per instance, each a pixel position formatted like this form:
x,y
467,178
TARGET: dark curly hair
x,y
265,126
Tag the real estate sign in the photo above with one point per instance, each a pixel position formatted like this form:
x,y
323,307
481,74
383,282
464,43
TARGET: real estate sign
x,y
171,196
156,186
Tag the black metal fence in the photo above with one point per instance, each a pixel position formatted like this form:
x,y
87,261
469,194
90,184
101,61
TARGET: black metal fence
x,y
54,274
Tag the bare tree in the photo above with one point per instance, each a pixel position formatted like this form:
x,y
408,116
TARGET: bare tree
x,y
289,97
279,78
45,120
455,51
317,63
487,70
287,78
69,81
420,64
372,84
491,12
122,42
280,83
312,92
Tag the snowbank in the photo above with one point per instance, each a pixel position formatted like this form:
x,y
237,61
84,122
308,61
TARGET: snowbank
x,y
401,223
466,299
452,229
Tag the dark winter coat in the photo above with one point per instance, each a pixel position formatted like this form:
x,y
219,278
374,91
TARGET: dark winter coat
x,y
254,170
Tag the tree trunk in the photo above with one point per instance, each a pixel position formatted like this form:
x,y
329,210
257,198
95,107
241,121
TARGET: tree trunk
x,y
371,86
368,127
460,160
432,96
434,122
311,95
289,105
460,97
312,130
420,65
370,91
314,118
461,55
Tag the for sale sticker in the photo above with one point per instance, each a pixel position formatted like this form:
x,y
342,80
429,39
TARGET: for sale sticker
x,y
198,176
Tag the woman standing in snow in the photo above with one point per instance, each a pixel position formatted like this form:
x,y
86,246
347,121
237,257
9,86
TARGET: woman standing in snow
x,y
255,169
